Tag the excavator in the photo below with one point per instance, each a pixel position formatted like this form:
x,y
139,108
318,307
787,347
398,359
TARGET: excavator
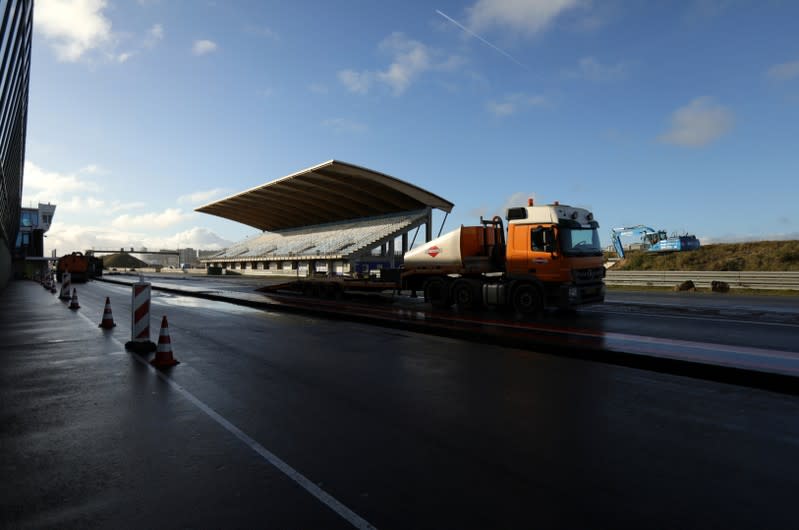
x,y
653,240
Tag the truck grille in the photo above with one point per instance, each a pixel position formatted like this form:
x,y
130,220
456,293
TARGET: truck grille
x,y
588,275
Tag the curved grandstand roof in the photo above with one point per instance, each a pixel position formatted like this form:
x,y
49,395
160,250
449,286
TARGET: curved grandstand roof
x,y
329,192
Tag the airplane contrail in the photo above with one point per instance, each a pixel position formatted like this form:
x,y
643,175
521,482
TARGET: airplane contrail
x,y
475,35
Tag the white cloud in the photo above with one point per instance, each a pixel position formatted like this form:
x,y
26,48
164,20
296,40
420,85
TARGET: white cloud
x,y
72,27
592,70
518,199
123,57
341,125
317,88
526,17
36,178
203,47
698,123
515,103
117,206
410,59
784,71
196,237
79,204
501,109
169,217
200,197
67,238
92,169
358,82
154,35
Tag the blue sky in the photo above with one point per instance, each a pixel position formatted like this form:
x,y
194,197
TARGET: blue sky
x,y
682,116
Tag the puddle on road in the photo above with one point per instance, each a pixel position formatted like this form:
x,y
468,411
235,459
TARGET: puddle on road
x,y
212,305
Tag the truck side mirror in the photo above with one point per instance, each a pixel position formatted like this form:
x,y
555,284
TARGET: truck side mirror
x,y
549,241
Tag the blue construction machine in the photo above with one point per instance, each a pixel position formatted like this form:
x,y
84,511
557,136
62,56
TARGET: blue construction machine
x,y
653,240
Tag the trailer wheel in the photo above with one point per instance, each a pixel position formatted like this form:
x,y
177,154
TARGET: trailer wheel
x,y
527,300
436,291
465,295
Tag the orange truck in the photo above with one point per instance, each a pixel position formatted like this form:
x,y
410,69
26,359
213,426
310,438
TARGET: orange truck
x,y
550,256
81,267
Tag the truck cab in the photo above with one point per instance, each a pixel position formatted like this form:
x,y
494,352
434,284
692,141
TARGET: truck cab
x,y
557,248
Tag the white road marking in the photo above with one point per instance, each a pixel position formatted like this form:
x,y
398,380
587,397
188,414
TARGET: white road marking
x,y
328,500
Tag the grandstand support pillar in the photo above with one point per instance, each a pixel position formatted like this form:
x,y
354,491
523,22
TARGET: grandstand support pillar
x,y
329,268
391,253
428,226
404,243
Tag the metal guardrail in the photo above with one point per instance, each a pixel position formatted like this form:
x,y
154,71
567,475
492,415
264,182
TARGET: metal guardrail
x,y
735,279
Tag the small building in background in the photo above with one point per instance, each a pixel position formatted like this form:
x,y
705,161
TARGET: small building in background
x,y
28,255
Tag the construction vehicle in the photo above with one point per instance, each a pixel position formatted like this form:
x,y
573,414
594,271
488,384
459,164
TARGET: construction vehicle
x,y
81,267
653,240
551,257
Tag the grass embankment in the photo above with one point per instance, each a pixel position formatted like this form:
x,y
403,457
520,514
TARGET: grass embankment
x,y
752,256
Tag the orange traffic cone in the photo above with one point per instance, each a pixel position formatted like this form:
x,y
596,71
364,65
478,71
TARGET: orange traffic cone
x,y
108,318
74,303
163,355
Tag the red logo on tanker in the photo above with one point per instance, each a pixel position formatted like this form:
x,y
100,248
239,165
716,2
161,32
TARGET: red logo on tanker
x,y
433,251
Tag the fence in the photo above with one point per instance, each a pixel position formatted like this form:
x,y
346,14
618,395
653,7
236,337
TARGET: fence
x,y
735,279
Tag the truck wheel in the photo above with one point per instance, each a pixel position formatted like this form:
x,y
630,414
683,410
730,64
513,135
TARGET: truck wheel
x,y
436,292
465,295
527,300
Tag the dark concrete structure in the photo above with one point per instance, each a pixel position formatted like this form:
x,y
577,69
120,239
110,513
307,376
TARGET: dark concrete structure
x,y
16,30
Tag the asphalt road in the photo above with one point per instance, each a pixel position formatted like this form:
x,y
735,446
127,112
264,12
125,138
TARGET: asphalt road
x,y
654,330
405,430
768,322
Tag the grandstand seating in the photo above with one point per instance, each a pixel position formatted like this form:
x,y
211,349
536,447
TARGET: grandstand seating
x,y
329,241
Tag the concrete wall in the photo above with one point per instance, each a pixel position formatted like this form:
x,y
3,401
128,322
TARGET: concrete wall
x,y
6,270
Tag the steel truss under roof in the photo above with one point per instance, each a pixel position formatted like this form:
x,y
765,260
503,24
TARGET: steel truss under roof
x,y
329,192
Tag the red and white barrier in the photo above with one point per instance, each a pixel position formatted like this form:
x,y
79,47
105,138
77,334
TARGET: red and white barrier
x,y
140,320
140,311
66,284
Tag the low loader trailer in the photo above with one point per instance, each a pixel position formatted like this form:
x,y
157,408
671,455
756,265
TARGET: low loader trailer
x,y
550,256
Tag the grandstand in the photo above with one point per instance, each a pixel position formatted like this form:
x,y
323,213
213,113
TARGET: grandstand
x,y
334,218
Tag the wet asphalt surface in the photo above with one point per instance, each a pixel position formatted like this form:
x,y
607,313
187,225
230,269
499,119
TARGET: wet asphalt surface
x,y
404,429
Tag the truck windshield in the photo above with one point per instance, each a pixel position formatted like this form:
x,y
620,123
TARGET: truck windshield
x,y
580,242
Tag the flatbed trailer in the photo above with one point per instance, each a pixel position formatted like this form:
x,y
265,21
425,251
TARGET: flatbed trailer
x,y
332,287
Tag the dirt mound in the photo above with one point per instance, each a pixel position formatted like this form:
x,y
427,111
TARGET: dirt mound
x,y
122,260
